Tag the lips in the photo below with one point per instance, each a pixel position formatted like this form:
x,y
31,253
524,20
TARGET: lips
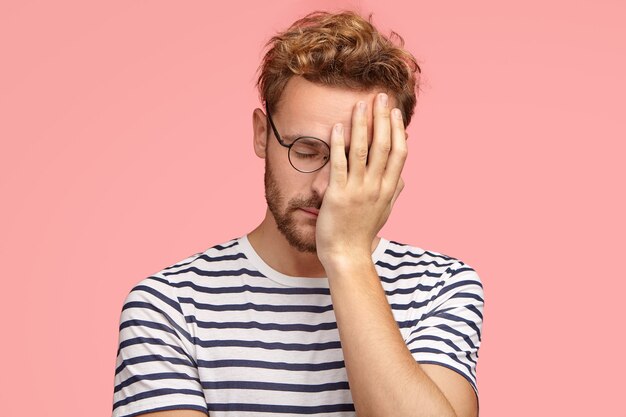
x,y
311,210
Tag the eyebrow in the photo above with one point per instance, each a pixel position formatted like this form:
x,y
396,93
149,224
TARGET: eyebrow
x,y
295,136
291,137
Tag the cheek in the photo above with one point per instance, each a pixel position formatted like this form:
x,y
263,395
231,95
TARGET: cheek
x,y
290,182
286,178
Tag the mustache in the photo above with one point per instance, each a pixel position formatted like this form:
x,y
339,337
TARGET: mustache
x,y
313,201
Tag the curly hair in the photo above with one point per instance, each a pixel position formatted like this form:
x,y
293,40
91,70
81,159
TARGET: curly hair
x,y
340,50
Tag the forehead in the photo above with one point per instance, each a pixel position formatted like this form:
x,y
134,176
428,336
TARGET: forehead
x,y
306,108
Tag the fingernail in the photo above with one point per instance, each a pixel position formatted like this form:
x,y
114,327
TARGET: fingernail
x,y
339,128
397,114
362,107
383,99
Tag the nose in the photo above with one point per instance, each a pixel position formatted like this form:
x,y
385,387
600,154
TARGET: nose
x,y
321,179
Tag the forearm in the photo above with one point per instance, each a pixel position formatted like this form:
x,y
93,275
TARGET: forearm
x,y
384,378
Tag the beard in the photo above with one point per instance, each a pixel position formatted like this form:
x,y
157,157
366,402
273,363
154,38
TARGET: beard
x,y
286,221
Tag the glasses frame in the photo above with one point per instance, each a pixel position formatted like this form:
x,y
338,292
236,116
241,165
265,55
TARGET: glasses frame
x,y
288,146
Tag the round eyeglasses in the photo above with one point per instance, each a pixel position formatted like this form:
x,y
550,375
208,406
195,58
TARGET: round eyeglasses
x,y
306,153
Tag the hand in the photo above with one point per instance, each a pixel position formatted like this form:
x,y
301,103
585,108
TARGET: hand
x,y
358,200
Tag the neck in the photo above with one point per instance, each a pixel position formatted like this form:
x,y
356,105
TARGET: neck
x,y
270,244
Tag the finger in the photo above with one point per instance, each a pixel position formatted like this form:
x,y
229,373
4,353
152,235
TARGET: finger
x,y
358,142
399,150
338,161
396,194
381,142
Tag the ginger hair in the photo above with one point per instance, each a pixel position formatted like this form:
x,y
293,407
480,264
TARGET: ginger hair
x,y
339,50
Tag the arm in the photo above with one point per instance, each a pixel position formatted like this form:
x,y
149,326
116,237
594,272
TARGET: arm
x,y
155,365
384,377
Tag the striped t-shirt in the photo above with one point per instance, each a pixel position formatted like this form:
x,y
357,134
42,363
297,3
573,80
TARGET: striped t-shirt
x,y
222,332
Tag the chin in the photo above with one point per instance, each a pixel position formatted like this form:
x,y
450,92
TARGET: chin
x,y
302,242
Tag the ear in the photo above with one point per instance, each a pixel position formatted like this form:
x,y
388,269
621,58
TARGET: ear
x,y
259,128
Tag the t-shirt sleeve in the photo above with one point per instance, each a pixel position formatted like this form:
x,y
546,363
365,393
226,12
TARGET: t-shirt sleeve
x,y
449,333
155,367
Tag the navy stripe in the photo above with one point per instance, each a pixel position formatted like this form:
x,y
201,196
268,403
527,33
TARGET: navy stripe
x,y
415,322
225,246
173,324
412,304
459,270
439,352
145,323
467,295
311,328
178,332
156,393
407,263
248,288
440,255
433,313
418,256
475,310
453,317
415,289
191,258
436,339
282,409
151,341
240,363
147,306
426,252
412,275
160,296
447,329
268,346
405,324
152,358
159,279
155,377
208,258
271,386
256,307
135,322
225,273
465,283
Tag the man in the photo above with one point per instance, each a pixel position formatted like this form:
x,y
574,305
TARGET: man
x,y
312,312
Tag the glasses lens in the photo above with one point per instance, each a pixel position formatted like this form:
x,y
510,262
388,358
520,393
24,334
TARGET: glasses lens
x,y
309,154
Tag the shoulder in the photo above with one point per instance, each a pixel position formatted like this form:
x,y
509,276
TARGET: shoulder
x,y
224,252
402,253
434,264
166,283
429,271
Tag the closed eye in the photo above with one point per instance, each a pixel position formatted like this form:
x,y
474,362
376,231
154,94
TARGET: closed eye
x,y
306,155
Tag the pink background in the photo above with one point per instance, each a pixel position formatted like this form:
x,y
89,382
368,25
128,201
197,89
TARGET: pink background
x,y
126,146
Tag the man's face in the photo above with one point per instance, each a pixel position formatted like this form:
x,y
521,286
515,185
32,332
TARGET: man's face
x,y
305,109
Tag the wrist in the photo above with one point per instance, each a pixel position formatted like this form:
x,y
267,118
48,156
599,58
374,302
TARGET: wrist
x,y
346,263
